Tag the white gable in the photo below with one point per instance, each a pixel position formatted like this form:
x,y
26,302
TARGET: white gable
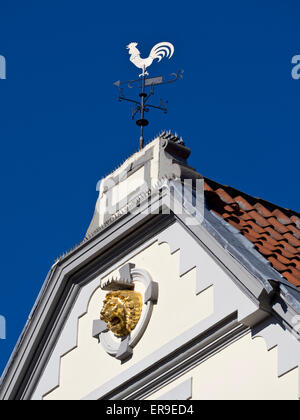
x,y
191,300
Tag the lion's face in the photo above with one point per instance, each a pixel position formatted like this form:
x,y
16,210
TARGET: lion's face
x,y
121,311
113,313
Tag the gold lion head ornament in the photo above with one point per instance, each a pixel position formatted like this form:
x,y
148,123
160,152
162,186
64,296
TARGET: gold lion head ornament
x,y
121,311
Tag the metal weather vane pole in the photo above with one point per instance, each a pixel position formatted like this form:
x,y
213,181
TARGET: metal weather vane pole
x,y
163,49
142,122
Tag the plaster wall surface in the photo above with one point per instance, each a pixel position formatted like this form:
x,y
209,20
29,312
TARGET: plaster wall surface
x,y
244,370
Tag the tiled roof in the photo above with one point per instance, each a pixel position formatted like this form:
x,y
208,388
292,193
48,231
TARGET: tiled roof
x,y
274,231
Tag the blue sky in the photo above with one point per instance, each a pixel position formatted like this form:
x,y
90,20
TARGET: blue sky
x,y
62,128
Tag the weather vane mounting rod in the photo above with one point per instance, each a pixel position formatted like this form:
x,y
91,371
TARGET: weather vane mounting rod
x,y
159,51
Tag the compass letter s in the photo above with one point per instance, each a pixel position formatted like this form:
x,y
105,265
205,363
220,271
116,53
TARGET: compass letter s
x,y
2,67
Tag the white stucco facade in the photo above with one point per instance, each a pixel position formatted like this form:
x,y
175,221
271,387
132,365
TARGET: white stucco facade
x,y
243,369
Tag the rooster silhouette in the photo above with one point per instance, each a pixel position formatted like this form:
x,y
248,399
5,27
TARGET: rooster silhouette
x,y
159,51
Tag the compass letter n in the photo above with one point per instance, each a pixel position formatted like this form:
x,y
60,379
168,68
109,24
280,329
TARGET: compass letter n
x,y
2,67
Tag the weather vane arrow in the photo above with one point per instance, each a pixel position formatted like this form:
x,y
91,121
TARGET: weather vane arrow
x,y
159,51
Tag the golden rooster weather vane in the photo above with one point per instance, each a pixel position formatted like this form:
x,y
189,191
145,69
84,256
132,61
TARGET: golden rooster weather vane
x,y
159,51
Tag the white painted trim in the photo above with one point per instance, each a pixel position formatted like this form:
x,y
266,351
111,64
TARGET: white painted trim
x,y
181,392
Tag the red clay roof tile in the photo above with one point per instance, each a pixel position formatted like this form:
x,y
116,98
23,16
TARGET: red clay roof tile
x,y
294,230
277,236
243,203
247,216
285,253
224,196
287,247
282,218
295,273
288,262
296,220
274,231
262,210
279,227
277,264
292,239
260,220
292,279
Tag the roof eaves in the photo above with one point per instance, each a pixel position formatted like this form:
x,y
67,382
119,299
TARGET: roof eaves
x,y
242,250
